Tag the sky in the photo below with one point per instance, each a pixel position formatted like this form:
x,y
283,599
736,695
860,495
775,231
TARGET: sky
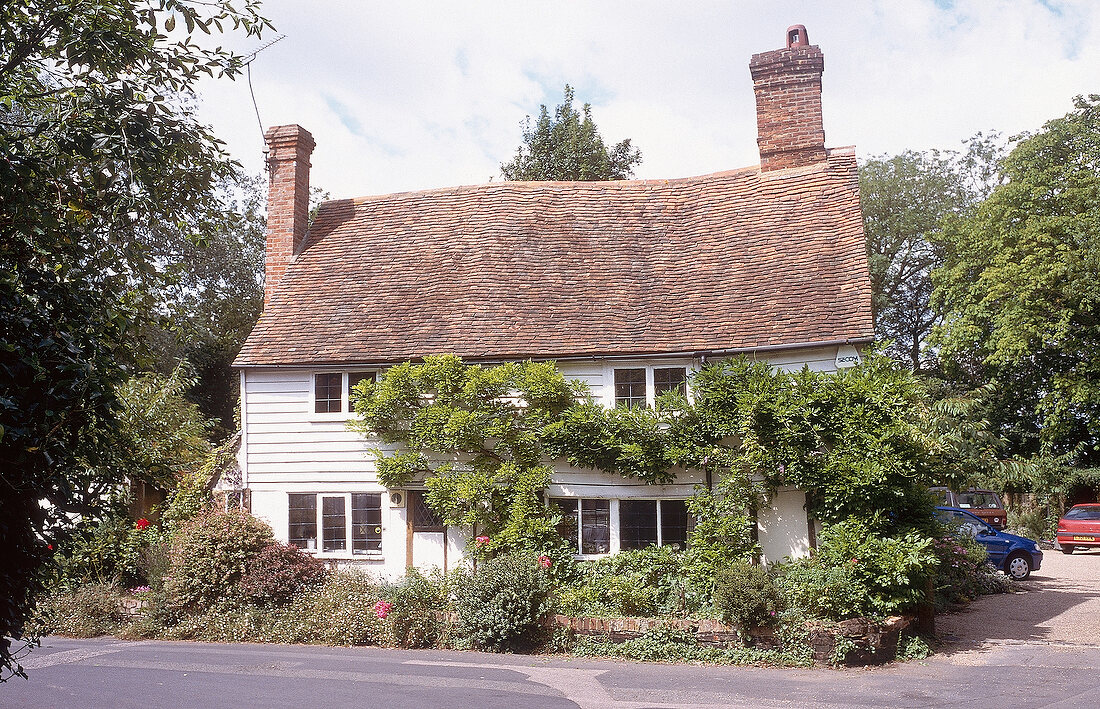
x,y
408,95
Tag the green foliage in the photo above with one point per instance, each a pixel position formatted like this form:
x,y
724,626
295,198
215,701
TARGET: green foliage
x,y
488,418
340,611
84,612
746,594
913,647
569,147
904,199
210,555
856,572
1019,295
108,551
667,644
963,572
722,532
502,602
416,599
96,151
626,441
640,582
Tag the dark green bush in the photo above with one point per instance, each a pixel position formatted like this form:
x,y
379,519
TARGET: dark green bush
x,y
210,555
746,595
643,582
278,573
502,602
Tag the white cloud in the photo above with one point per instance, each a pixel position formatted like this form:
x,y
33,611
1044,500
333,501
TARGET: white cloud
x,y
406,95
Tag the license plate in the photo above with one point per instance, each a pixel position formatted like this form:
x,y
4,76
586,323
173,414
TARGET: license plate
x,y
1084,539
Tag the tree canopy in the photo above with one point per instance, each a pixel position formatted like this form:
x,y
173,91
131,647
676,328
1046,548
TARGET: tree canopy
x,y
1019,293
905,199
98,147
568,146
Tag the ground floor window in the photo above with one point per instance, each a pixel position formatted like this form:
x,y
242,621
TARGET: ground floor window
x,y
311,512
639,523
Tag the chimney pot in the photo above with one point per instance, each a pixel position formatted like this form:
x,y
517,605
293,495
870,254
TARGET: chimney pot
x,y
797,36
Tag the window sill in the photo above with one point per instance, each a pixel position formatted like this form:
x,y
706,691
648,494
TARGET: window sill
x,y
336,556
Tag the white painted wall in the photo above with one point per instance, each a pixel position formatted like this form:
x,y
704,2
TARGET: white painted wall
x,y
288,448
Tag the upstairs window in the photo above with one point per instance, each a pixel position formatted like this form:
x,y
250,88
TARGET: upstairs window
x,y
328,395
353,379
630,387
666,379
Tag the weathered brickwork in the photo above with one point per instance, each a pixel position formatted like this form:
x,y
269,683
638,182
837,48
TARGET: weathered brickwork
x,y
289,148
787,83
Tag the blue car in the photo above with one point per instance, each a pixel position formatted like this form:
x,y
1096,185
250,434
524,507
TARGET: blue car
x,y
1016,556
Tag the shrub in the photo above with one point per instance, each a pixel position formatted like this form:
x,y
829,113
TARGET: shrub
x,y
746,595
501,602
339,611
111,550
869,574
411,618
642,582
210,555
277,573
86,612
963,572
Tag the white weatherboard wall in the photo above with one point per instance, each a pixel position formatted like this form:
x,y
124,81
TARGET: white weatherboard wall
x,y
287,448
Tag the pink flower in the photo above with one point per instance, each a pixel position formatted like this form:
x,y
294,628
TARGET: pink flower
x,y
382,609
544,561
855,561
481,541
142,523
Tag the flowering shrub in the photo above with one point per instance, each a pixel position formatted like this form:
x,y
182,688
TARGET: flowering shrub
x,y
502,602
963,571
87,612
410,609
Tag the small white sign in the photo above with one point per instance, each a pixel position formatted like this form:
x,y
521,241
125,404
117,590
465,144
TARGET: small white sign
x,y
847,356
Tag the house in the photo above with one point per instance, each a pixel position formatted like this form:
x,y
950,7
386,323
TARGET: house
x,y
628,286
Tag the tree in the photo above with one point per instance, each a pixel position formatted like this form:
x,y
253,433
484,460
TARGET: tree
x,y
569,147
905,199
1019,294
96,149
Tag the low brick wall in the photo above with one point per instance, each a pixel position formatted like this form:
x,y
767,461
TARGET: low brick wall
x,y
873,643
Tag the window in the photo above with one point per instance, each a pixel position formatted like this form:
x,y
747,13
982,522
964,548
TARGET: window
x,y
644,523
303,521
630,387
333,524
366,522
588,521
353,379
328,512
328,396
666,379
637,523
424,518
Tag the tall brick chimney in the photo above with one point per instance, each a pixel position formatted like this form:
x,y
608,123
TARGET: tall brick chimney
x,y
289,148
788,103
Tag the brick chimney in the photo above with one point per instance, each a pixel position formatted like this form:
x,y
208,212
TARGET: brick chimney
x,y
788,103
289,148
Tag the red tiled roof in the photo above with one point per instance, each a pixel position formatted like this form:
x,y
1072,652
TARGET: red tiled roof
x,y
512,270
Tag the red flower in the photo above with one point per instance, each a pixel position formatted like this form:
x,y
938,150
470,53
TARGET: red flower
x,y
142,523
544,561
50,547
482,540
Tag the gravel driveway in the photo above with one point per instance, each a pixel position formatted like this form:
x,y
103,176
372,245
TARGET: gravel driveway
x,y
1060,603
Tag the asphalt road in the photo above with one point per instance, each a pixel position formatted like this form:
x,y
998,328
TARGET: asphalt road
x,y
107,673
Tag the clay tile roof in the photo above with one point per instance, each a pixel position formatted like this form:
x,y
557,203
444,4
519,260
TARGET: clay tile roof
x,y
514,270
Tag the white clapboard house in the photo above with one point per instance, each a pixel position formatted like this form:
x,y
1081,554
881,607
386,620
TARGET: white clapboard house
x,y
628,286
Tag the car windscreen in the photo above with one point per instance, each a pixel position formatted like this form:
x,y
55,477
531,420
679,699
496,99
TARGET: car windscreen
x,y
979,500
1084,513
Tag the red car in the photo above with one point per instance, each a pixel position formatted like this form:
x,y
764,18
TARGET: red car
x,y
1079,527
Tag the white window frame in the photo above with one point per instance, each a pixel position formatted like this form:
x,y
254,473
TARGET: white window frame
x,y
345,411
650,397
614,523
346,552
